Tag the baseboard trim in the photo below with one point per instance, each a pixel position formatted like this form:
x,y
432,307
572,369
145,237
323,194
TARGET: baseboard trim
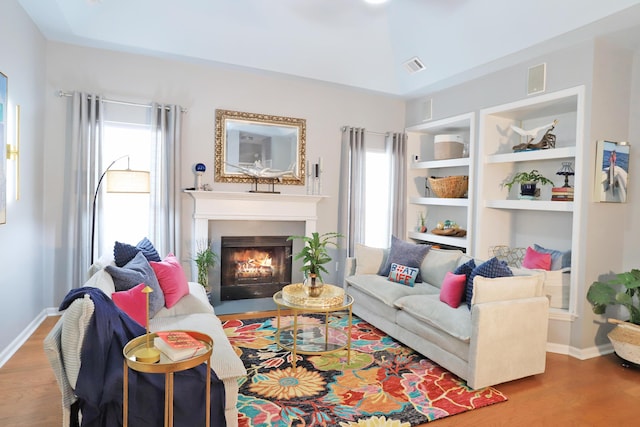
x,y
580,353
15,345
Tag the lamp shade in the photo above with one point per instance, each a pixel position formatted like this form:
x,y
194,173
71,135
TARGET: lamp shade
x,y
127,181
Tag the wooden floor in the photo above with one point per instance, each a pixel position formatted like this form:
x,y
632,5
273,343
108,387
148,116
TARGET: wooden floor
x,y
594,392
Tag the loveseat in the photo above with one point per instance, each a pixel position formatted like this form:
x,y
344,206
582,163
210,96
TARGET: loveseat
x,y
499,336
188,312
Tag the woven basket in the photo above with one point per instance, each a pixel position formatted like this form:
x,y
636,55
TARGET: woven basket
x,y
626,342
450,187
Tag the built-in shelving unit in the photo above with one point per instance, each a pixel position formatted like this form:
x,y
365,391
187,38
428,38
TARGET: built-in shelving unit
x,y
421,144
502,218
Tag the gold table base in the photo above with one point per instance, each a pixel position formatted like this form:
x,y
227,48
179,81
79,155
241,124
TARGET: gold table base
x,y
344,303
164,366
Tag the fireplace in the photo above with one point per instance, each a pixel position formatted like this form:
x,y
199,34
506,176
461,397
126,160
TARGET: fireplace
x,y
254,266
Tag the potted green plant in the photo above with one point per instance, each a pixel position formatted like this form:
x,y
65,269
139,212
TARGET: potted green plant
x,y
205,259
528,182
623,290
314,255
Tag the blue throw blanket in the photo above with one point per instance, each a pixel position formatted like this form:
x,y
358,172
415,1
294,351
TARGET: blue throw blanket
x,y
99,385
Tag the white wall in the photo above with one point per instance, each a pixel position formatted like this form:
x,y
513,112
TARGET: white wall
x,y
202,89
22,284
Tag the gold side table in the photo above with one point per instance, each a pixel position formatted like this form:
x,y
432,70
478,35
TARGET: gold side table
x,y
168,367
296,336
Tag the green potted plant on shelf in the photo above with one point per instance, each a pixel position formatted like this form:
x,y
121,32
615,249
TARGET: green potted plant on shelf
x,y
205,259
314,255
623,290
528,182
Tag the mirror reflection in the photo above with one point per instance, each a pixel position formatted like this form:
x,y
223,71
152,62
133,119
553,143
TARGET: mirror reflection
x,y
250,146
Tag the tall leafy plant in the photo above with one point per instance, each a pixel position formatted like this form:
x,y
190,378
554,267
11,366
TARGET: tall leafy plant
x,y
314,253
623,290
205,260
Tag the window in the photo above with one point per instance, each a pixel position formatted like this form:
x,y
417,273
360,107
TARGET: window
x,y
377,227
126,217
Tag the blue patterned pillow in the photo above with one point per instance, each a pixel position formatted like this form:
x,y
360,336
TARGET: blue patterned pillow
x,y
404,253
403,274
491,269
559,259
465,269
123,252
137,271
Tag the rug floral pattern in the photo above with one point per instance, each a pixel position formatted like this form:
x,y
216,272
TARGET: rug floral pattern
x,y
385,384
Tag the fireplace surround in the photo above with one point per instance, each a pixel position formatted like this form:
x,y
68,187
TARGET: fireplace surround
x,y
211,209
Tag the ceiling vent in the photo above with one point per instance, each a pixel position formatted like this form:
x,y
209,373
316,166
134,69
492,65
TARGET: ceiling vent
x,y
414,65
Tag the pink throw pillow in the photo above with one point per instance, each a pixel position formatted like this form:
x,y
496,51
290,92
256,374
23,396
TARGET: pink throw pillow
x,y
452,289
133,302
534,259
172,279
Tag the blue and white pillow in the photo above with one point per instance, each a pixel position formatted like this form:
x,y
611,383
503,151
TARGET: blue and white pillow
x,y
404,253
490,269
403,274
559,259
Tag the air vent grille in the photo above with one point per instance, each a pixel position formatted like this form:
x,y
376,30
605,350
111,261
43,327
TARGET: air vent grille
x,y
414,65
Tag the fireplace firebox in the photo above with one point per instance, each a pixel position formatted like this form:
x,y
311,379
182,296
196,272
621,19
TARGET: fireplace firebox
x,y
254,266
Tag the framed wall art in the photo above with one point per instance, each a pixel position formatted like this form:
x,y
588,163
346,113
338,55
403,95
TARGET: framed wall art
x,y
612,171
3,147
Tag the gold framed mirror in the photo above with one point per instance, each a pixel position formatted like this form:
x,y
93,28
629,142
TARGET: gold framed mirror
x,y
252,146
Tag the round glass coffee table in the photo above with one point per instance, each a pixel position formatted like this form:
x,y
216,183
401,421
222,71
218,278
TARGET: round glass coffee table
x,y
313,338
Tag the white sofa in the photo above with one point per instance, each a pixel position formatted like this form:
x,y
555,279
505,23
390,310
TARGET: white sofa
x,y
501,338
192,312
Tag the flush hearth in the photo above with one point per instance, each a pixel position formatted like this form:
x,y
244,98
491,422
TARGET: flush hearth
x,y
254,266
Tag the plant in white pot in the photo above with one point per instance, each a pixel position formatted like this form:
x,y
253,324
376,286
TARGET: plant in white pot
x,y
528,183
314,255
205,260
623,290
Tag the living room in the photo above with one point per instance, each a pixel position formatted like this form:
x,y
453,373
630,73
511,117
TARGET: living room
x,y
34,276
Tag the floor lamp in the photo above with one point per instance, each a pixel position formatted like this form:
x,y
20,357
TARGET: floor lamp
x,y
119,181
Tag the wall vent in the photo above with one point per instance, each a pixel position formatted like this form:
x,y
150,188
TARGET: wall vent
x,y
414,65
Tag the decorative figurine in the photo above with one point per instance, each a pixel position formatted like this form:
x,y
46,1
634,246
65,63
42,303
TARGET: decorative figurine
x,y
548,140
199,169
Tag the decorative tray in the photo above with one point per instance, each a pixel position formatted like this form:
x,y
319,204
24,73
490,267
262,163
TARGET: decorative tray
x,y
295,294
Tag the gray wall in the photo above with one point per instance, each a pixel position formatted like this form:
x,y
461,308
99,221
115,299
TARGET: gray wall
x,y
23,286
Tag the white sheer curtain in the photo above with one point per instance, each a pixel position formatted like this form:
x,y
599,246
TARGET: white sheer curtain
x,y
351,216
165,183
396,144
81,179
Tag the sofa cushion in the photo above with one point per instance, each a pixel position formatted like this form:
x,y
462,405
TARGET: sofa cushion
x,y
535,259
384,290
429,309
507,288
559,259
369,260
437,263
404,253
171,278
133,302
492,268
452,289
195,302
123,252
403,274
134,272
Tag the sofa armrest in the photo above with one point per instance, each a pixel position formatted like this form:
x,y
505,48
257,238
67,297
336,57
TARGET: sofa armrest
x,y
508,340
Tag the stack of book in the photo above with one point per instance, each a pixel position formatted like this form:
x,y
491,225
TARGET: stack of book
x,y
178,345
563,194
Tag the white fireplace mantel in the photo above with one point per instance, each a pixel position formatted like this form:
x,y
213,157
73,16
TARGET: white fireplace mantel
x,y
237,206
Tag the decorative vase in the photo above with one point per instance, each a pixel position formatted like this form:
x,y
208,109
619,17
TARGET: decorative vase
x,y
313,285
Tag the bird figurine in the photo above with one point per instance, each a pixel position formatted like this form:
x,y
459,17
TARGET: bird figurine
x,y
547,141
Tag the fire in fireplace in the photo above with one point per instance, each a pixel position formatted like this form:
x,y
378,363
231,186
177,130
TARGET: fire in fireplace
x,y
254,266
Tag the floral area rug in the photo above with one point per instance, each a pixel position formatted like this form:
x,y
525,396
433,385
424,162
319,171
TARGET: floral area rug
x,y
385,383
